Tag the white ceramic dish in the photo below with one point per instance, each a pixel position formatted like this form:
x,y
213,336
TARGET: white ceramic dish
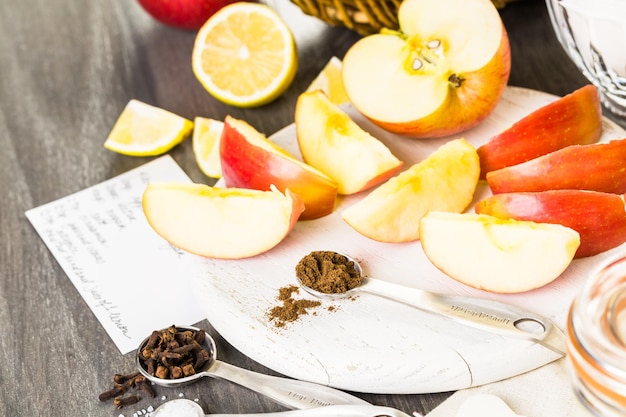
x,y
372,344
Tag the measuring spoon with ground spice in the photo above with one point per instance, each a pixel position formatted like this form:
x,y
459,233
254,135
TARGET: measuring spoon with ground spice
x,y
291,393
329,274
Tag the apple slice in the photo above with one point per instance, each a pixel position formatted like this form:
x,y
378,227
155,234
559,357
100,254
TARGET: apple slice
x,y
445,181
229,223
595,167
599,218
250,160
575,119
333,143
497,255
442,73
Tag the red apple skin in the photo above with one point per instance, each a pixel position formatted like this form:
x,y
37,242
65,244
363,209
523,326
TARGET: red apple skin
x,y
466,106
599,218
575,119
183,14
595,167
245,165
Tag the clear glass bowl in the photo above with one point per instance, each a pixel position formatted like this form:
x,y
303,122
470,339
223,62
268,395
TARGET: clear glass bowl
x,y
593,33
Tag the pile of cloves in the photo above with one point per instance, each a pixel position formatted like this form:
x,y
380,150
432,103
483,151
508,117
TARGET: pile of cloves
x,y
122,384
174,353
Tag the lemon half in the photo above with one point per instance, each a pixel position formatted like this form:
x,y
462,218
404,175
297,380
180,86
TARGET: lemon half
x,y
245,55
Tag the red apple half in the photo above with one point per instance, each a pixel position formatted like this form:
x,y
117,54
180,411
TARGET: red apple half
x,y
599,218
250,160
184,14
445,181
442,73
332,142
498,255
595,167
575,119
228,223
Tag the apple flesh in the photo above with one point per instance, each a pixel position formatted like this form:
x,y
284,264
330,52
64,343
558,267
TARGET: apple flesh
x,y
332,142
595,167
227,223
497,255
445,181
442,73
575,119
250,160
599,218
183,14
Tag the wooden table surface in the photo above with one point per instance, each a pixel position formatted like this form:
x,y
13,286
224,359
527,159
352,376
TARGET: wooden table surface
x,y
67,69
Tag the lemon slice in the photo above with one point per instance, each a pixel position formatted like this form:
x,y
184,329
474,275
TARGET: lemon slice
x,y
206,145
245,55
145,130
330,82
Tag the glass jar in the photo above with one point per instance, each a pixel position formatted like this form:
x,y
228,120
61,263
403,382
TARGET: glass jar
x,y
596,342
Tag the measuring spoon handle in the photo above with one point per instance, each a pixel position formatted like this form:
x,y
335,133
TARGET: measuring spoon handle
x,y
493,316
329,411
291,393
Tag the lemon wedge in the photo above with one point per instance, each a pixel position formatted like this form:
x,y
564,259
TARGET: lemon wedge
x,y
245,55
330,82
145,130
206,145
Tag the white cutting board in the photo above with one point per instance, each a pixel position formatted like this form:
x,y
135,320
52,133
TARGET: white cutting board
x,y
371,344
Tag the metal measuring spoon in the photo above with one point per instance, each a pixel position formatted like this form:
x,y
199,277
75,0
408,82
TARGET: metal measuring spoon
x,y
192,409
291,393
493,316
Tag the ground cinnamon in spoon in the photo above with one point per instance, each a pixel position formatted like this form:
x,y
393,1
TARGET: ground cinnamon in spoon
x,y
328,272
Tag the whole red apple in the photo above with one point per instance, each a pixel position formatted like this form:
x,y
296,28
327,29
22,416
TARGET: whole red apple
x,y
184,14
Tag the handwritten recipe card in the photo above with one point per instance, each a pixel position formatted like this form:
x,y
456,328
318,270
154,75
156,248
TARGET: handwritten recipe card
x,y
131,278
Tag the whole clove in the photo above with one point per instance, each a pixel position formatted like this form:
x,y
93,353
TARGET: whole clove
x,y
174,353
186,348
120,402
188,369
200,336
144,385
151,366
122,383
162,372
202,357
123,378
153,340
176,372
118,389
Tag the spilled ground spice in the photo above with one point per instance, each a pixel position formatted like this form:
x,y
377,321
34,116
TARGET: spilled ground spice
x,y
324,271
328,272
291,308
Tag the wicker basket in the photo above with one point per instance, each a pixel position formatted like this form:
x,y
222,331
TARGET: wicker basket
x,y
362,16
